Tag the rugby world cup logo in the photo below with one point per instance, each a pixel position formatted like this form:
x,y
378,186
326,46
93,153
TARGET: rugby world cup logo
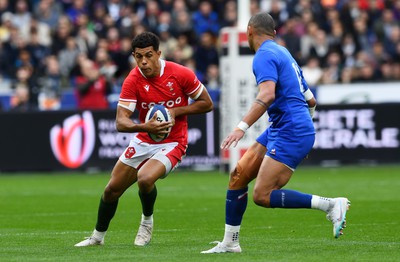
x,y
73,142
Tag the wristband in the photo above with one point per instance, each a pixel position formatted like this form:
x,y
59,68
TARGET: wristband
x,y
308,94
311,110
243,126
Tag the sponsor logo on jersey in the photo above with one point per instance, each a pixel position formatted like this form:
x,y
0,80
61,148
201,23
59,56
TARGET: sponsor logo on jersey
x,y
147,87
73,142
169,104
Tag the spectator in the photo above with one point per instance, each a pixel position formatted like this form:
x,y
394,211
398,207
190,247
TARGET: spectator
x,y
182,24
60,36
320,46
92,88
122,60
230,15
396,10
37,51
312,72
308,39
150,21
164,23
22,16
48,12
86,40
349,50
205,19
25,90
289,35
97,20
114,8
67,58
363,35
19,101
332,70
106,66
279,13
78,7
166,5
213,83
383,27
50,83
4,7
6,26
41,30
391,42
206,54
168,44
336,36
183,50
114,43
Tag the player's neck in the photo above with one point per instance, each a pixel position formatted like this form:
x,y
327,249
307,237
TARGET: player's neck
x,y
259,40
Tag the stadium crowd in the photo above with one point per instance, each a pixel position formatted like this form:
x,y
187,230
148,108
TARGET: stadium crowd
x,y
50,46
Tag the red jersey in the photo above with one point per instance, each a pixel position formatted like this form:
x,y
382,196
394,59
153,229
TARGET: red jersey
x,y
96,95
171,88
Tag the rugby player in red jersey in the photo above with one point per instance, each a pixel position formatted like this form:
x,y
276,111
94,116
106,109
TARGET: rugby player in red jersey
x,y
153,81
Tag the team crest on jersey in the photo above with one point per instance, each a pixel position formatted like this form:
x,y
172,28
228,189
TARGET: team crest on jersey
x,y
147,87
170,86
130,152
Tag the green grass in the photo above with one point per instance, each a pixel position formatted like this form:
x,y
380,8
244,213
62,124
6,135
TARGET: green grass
x,y
43,215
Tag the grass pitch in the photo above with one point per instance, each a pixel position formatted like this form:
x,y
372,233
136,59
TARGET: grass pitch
x,y
42,216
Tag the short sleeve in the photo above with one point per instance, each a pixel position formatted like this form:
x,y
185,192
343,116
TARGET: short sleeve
x,y
265,67
128,89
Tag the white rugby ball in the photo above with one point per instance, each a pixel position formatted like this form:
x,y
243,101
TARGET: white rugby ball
x,y
163,115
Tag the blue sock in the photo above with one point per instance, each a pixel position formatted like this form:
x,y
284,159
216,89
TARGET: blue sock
x,y
236,203
284,198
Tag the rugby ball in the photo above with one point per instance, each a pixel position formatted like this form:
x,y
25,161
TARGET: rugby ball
x,y
163,115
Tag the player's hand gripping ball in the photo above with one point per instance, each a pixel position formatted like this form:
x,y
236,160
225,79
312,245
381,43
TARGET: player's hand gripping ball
x,y
163,115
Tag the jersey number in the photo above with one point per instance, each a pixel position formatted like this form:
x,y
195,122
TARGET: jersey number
x,y
299,78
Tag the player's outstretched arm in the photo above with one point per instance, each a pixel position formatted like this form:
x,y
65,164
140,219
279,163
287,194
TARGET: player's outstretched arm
x,y
264,99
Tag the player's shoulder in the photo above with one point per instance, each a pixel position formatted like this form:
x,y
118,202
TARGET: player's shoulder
x,y
134,75
176,68
180,73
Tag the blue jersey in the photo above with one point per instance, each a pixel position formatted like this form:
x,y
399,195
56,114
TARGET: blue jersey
x,y
289,112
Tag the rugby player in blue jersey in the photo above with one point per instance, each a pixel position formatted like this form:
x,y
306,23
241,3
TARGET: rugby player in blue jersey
x,y
272,159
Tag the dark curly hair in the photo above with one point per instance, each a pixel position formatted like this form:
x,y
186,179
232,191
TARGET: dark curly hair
x,y
144,40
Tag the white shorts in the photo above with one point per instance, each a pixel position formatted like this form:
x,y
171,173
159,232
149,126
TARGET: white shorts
x,y
138,152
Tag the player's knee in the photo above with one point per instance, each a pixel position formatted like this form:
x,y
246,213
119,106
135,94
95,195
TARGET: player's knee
x,y
145,183
110,194
238,178
261,198
234,179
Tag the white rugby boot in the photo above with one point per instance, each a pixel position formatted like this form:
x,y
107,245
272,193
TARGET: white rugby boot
x,y
144,233
223,248
90,241
337,215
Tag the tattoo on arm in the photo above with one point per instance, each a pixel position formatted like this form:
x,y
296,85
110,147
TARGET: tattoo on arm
x,y
258,101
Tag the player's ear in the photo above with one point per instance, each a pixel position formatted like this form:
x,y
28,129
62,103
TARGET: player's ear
x,y
249,30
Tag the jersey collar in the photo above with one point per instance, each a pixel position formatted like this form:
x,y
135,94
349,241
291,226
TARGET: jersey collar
x,y
162,64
